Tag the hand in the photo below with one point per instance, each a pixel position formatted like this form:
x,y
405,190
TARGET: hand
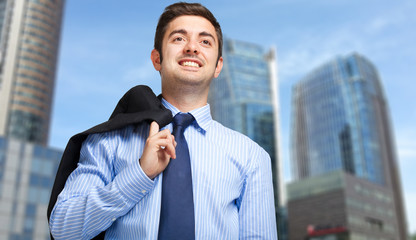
x,y
159,149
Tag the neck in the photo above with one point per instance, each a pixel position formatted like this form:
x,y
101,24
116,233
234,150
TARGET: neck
x,y
185,101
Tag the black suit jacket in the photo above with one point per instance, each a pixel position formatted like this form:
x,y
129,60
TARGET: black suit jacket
x,y
137,105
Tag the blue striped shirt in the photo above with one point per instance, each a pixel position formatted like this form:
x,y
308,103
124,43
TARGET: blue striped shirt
x,y
231,175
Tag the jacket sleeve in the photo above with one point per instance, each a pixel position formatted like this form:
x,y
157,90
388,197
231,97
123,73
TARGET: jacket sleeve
x,y
94,197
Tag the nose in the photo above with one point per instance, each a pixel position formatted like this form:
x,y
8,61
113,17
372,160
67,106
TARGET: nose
x,y
191,47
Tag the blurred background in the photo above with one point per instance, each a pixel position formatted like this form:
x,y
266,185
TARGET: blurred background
x,y
83,65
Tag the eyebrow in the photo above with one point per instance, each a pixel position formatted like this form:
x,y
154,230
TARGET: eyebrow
x,y
183,31
207,34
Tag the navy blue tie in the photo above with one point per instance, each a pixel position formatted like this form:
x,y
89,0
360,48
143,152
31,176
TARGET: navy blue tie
x,y
177,219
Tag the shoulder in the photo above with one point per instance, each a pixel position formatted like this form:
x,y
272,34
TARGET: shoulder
x,y
238,148
217,129
235,142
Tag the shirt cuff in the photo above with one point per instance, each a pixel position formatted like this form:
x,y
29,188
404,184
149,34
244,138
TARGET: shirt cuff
x,y
133,183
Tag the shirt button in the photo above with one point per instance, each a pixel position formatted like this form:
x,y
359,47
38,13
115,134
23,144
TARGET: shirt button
x,y
143,191
113,219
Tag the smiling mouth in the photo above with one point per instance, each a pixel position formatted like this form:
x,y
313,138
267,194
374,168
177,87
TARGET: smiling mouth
x,y
189,64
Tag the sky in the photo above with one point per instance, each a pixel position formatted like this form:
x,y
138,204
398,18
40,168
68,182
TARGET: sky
x,y
105,50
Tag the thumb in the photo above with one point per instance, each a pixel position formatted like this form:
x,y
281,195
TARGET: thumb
x,y
154,128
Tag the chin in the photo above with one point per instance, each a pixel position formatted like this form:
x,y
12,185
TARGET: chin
x,y
188,79
191,82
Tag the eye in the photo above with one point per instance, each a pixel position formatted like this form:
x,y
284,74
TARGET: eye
x,y
206,42
177,39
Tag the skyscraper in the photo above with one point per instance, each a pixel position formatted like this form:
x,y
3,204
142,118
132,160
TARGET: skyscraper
x,y
27,172
245,98
340,121
29,40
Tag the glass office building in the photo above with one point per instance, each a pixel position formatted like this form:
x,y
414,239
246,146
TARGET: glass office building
x,y
29,40
340,121
27,173
245,98
339,206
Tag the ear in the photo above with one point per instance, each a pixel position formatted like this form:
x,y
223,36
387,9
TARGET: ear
x,y
218,67
155,57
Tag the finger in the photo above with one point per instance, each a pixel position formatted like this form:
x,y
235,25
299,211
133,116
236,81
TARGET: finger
x,y
170,149
174,142
167,146
154,129
163,134
159,139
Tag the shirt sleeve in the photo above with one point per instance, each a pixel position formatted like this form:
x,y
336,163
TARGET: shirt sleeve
x,y
93,197
257,208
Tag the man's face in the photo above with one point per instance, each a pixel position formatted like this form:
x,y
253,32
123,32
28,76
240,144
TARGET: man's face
x,y
190,53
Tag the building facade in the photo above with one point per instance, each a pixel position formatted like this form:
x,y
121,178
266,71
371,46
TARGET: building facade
x,y
27,173
340,121
337,205
245,98
29,40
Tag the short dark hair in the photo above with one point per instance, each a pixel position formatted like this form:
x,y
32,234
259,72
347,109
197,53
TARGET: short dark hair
x,y
180,9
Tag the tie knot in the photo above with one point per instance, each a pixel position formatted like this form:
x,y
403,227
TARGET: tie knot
x,y
183,120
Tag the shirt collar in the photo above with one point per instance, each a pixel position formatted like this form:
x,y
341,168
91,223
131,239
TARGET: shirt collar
x,y
202,115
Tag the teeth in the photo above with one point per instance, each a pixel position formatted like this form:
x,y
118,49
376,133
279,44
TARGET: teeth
x,y
191,64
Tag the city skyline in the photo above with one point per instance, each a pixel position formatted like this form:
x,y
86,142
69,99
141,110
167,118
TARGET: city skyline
x,y
29,45
341,122
27,173
109,46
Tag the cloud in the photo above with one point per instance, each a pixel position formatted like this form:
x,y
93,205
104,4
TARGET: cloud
x,y
410,199
143,74
380,37
312,49
407,152
406,145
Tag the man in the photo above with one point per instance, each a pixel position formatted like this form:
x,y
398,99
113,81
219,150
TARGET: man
x,y
121,184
